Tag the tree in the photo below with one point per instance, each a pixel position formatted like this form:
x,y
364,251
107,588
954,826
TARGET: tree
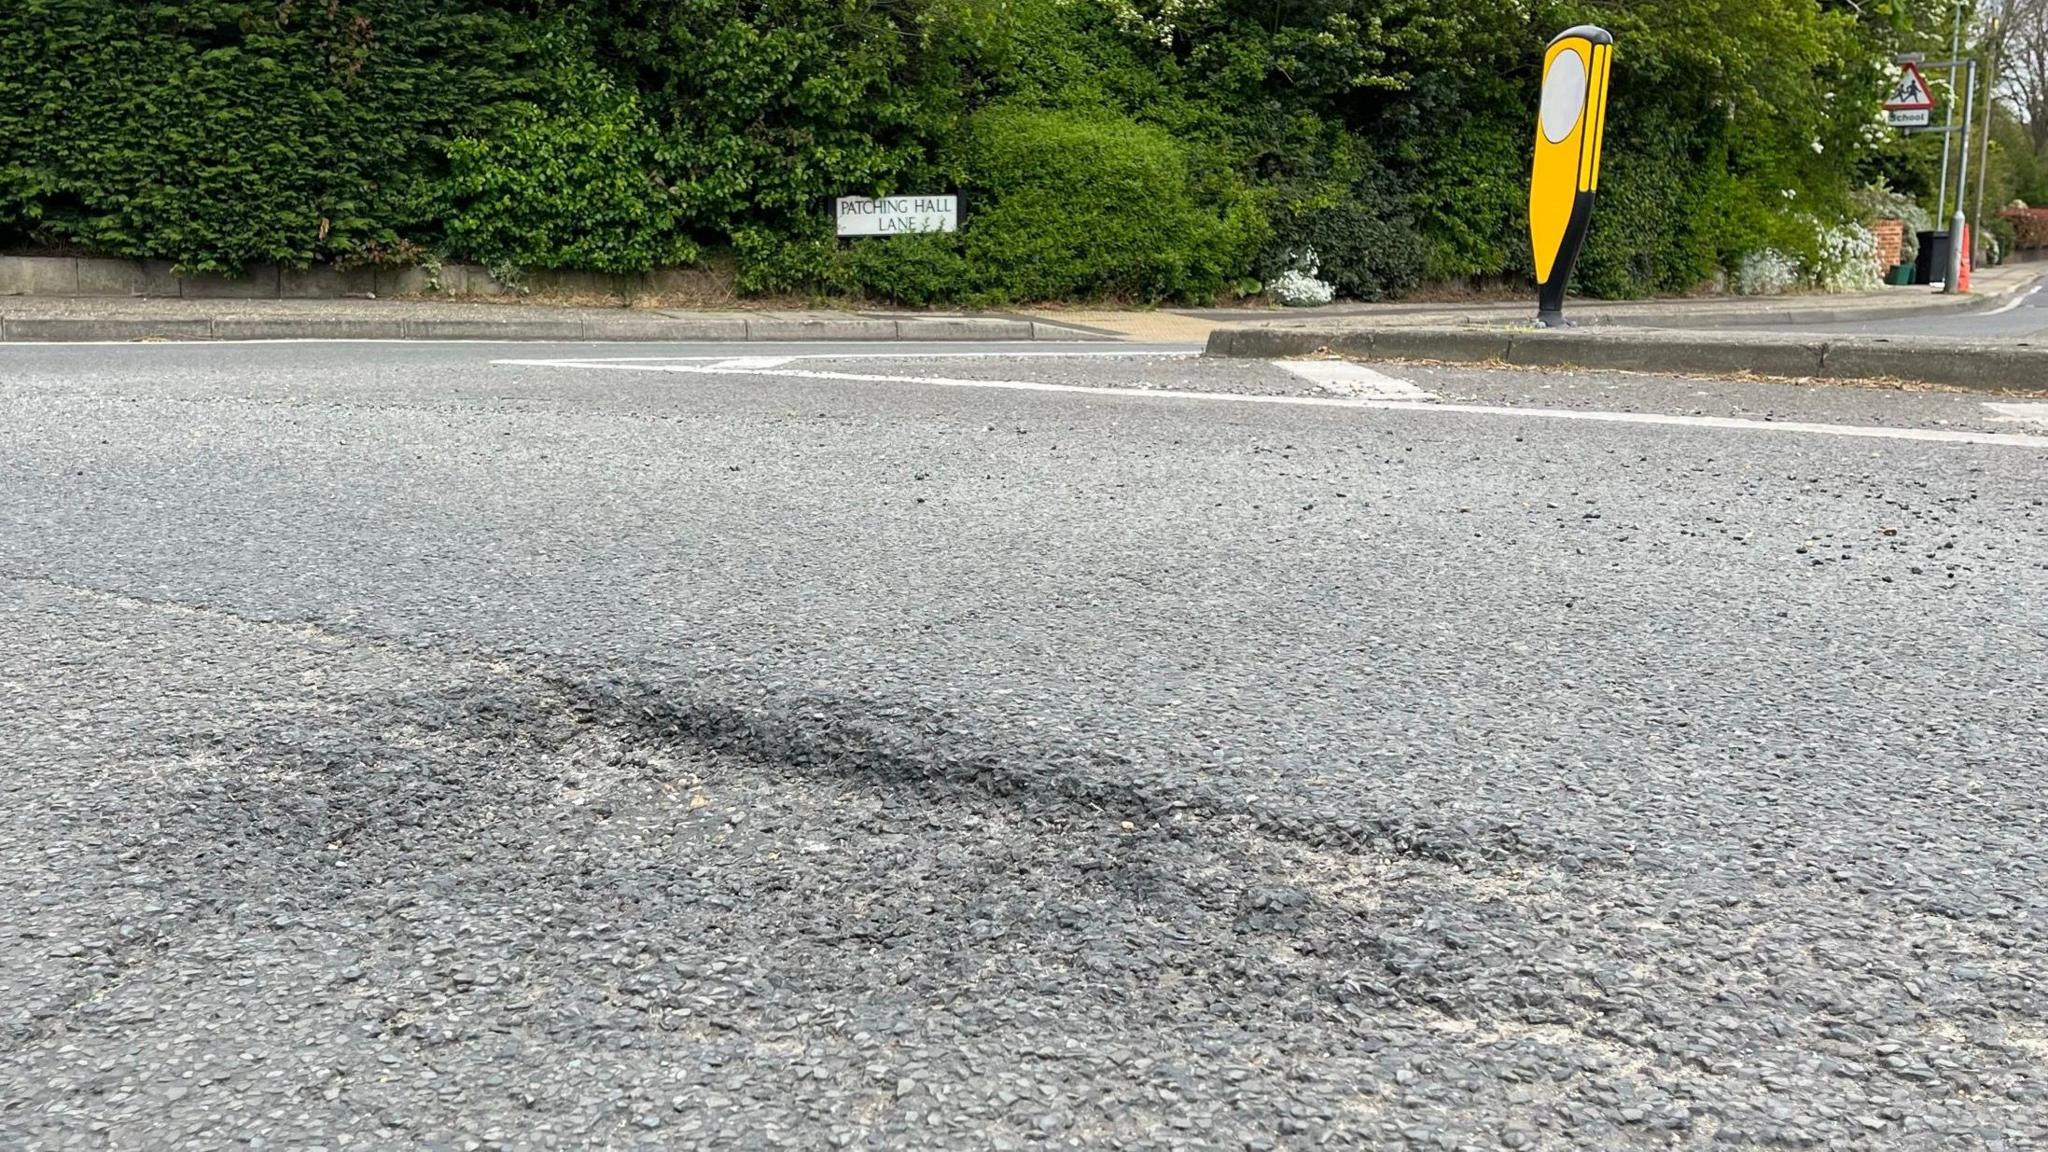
x,y
2023,70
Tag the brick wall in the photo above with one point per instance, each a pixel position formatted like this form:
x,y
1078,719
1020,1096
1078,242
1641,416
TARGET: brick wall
x,y
1891,244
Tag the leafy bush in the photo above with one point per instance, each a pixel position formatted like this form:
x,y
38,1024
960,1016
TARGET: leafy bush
x,y
574,184
1086,205
1647,234
1362,249
770,108
774,263
915,270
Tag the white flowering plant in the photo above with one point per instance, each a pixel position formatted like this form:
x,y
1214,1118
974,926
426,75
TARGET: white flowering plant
x,y
1845,259
1765,272
1298,286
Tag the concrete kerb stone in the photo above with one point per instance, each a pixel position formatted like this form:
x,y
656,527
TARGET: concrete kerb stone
x,y
266,328
1971,367
655,329
1659,351
821,328
1955,364
54,329
1467,345
1275,343
570,330
1045,330
963,328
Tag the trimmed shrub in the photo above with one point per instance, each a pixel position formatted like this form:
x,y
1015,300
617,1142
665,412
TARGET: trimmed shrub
x,y
772,263
913,270
1362,249
218,133
1092,204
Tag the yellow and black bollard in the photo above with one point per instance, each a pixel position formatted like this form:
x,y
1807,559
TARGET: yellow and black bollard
x,y
1570,125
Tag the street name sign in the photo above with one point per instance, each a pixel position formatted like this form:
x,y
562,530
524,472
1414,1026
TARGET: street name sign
x,y
890,215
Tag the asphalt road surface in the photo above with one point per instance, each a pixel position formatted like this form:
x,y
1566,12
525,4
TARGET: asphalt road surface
x,y
405,747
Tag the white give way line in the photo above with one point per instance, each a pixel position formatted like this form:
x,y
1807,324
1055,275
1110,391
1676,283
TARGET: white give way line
x,y
2016,301
778,367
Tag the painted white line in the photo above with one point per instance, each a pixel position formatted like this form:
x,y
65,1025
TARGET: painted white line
x,y
2021,413
1928,435
1344,378
2015,302
744,363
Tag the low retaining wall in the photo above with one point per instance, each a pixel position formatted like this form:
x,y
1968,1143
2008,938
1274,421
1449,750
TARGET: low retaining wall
x,y
92,276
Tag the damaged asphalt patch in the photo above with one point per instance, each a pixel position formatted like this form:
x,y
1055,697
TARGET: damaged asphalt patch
x,y
355,888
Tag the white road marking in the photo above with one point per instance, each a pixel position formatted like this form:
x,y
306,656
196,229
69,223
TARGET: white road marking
x,y
1344,378
1928,435
2015,302
2021,413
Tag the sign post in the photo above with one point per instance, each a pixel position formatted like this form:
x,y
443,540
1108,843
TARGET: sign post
x,y
1571,125
1959,228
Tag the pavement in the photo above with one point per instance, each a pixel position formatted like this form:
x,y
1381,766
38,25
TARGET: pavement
x,y
1011,746
123,318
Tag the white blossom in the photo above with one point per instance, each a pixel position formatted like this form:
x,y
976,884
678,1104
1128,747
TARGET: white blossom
x,y
1298,287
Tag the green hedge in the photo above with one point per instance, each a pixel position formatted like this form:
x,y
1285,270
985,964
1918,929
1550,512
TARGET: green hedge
x,y
575,182
1129,149
1056,205
1081,204
217,133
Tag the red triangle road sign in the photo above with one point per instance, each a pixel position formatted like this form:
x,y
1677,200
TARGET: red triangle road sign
x,y
1911,93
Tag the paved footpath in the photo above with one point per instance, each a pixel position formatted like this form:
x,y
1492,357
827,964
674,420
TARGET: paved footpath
x,y
791,746
124,318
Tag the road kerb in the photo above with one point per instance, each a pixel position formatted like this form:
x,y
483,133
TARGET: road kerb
x,y
1962,364
624,328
